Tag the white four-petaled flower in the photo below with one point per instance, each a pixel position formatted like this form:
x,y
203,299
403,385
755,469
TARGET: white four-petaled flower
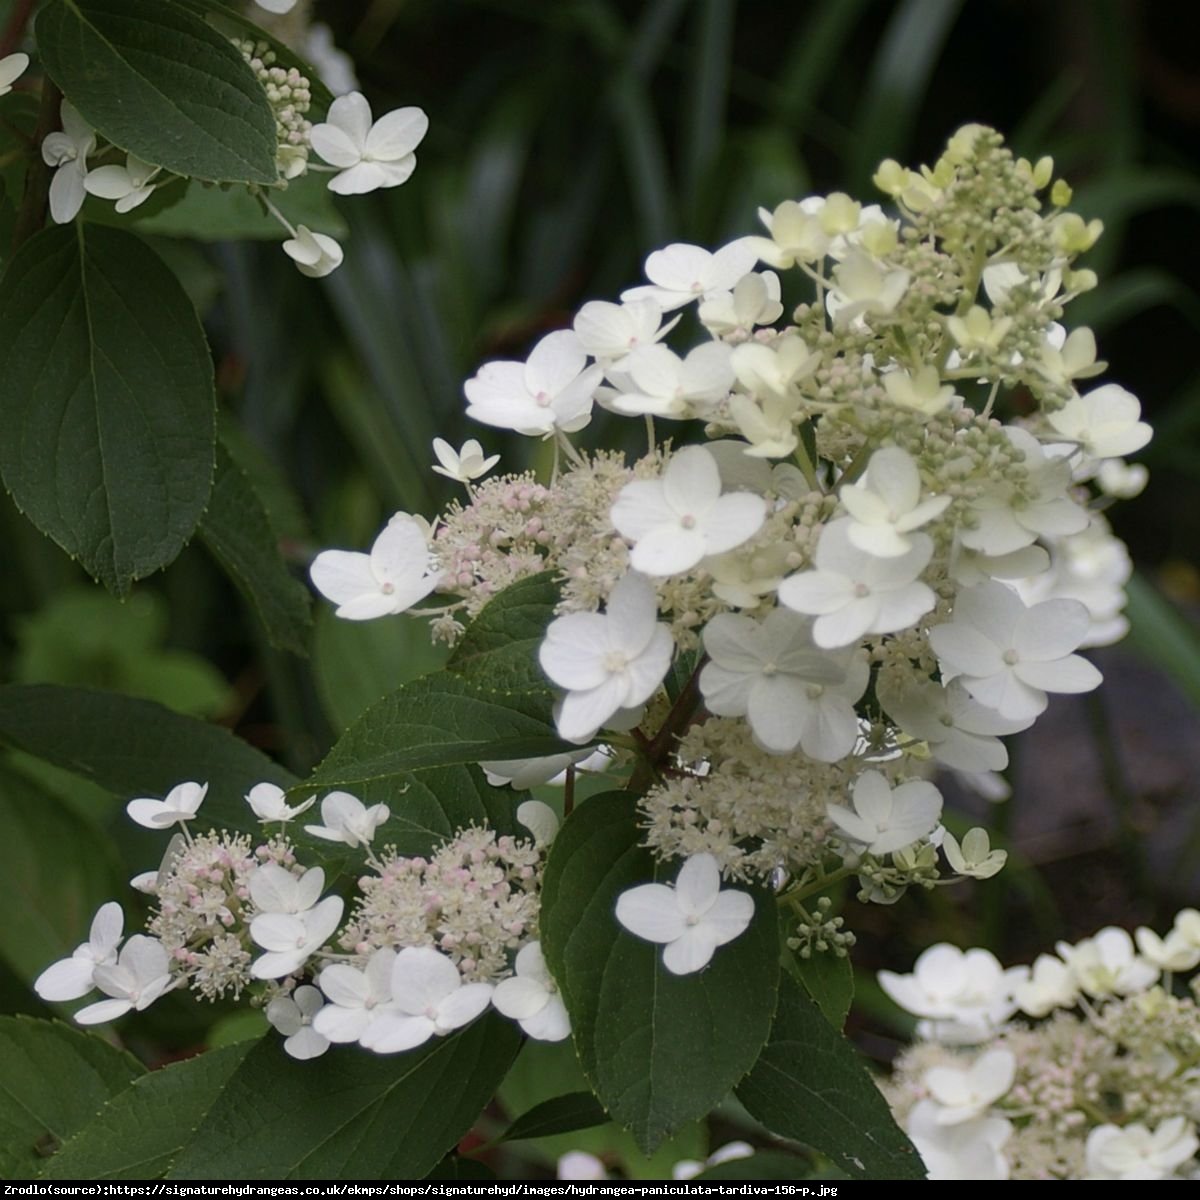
x,y
139,976
356,998
70,978
181,805
346,819
370,154
67,151
274,889
291,939
465,464
315,254
12,67
690,918
680,273
886,505
885,819
293,1017
269,803
531,998
129,185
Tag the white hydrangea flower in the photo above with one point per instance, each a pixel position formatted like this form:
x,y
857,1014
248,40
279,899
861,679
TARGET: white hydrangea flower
x,y
346,819
276,6
753,301
140,976
611,332
886,505
269,803
579,1164
965,1093
129,186
274,889
885,819
975,857
1070,357
291,939
370,154
553,389
922,392
531,998
429,999
67,152
970,1151
1122,480
607,661
776,370
792,693
1175,952
180,806
690,918
962,996
1007,516
796,236
524,773
71,978
397,573
12,67
960,732
681,273
1106,964
540,819
1105,422
655,381
969,567
462,465
677,520
357,999
689,1168
1136,1152
315,254
862,288
1048,985
1009,656
853,593
293,1016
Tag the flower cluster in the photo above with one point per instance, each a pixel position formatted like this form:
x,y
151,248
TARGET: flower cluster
x,y
1102,1086
869,560
428,946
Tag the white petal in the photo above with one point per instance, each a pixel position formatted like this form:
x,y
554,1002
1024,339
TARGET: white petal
x,y
306,1042
104,1010
421,978
397,134
343,576
66,193
665,551
391,1033
691,951
697,885
583,713
734,519
359,179
67,979
549,1024
649,911
519,997
463,1005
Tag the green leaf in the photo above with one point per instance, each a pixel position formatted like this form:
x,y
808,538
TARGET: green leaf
x,y
160,83
54,874
658,1049
829,980
141,1129
107,400
237,530
810,1085
562,1114
55,1078
352,1116
135,747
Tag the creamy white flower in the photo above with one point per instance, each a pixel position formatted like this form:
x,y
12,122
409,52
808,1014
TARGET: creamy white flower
x,y
12,67
978,330
611,332
969,567
963,996
129,185
531,998
853,593
964,1093
1009,656
274,889
552,389
540,819
397,573
291,939
681,518
346,819
689,1168
862,289
1121,479
1007,516
68,152
791,692
607,661
334,66
975,857
1175,952
1136,1152
1106,964
1048,985
923,392
796,235
662,384
523,773
181,805
579,1164
315,254
960,732
885,819
1105,422
1073,357
140,976
269,803
370,155
690,918
276,6
465,464
680,273
356,998
753,301
70,978
429,999
776,370
293,1017
885,505
969,1151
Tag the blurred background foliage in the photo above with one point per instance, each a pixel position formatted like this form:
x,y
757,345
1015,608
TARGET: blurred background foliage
x,y
568,139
